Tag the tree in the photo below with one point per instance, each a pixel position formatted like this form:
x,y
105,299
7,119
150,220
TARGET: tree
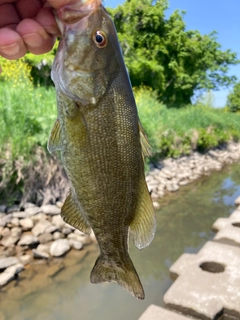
x,y
233,99
160,53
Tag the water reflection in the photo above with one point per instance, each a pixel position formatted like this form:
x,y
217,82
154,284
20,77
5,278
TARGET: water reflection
x,y
184,225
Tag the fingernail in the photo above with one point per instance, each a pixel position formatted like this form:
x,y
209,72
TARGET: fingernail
x,y
33,40
52,30
11,50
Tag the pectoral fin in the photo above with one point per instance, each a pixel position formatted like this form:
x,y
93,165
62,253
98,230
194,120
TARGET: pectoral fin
x,y
54,141
146,148
71,214
143,226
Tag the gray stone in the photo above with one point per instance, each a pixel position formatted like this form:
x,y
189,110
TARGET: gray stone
x,y
41,227
25,259
29,205
19,214
80,238
59,204
43,248
52,229
157,313
228,229
16,232
28,240
45,237
208,282
9,273
3,208
14,208
7,262
6,232
57,235
5,220
66,231
15,222
58,221
26,223
9,251
59,247
40,255
50,209
38,217
31,211
9,241
76,244
237,201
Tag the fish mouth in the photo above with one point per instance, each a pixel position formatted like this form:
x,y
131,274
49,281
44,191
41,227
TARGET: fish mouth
x,y
73,13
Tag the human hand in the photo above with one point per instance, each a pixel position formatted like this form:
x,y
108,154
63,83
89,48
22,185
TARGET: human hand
x,y
28,25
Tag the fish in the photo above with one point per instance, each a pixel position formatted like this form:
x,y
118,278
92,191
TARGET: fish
x,y
101,142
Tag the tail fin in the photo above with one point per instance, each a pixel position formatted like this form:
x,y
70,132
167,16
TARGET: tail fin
x,y
125,275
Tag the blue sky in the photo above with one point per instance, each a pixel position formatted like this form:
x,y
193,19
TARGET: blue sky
x,y
208,15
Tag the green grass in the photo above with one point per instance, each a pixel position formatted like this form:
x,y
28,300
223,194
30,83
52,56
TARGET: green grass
x,y
174,132
27,115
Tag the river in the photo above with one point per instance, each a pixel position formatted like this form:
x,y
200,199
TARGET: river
x,y
183,225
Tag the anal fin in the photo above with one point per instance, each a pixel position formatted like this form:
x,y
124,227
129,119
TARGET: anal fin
x,y
143,226
71,214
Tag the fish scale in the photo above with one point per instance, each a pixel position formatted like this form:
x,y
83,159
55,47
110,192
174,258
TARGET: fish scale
x,y
101,143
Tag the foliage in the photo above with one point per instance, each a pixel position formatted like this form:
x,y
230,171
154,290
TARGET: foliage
x,y
233,101
161,54
175,133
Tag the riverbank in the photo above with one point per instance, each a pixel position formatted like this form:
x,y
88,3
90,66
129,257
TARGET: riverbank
x,y
39,234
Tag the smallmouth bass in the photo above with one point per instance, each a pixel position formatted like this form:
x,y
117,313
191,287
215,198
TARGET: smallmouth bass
x,y
101,143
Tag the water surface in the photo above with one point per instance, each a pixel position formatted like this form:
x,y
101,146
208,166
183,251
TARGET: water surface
x,y
183,225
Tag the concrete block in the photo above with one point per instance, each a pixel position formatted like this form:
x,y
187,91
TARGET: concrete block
x,y
157,313
208,283
228,229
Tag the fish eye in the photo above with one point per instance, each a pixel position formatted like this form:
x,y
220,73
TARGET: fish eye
x,y
100,39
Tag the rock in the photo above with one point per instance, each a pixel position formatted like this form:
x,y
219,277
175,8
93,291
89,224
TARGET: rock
x,y
9,251
7,262
76,244
9,241
41,227
6,232
28,240
31,211
156,205
57,235
59,247
66,231
45,237
14,208
16,232
25,259
158,313
58,221
40,255
237,201
9,273
52,229
38,217
50,209
29,205
15,222
5,220
19,215
83,239
43,248
59,204
3,208
26,223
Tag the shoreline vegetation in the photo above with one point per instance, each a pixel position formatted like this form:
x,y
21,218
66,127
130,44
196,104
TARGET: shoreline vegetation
x,y
28,112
